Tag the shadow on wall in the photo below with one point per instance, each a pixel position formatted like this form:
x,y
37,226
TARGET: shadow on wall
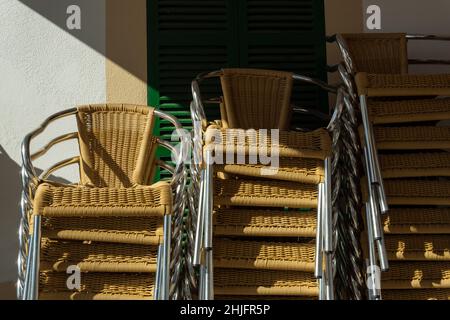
x,y
10,185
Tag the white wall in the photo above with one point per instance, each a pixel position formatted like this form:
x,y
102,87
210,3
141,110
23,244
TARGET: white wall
x,y
417,16
43,70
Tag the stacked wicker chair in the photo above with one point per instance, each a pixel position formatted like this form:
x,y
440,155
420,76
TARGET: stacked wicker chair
x,y
256,229
112,230
401,114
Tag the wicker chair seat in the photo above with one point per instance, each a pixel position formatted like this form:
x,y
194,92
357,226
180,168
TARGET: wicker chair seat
x,y
412,165
417,221
264,282
418,247
421,294
265,255
57,201
97,257
404,85
416,275
264,193
97,286
417,192
411,138
264,223
416,110
290,169
314,144
131,230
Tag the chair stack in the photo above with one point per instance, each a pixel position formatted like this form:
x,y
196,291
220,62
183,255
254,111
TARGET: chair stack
x,y
415,166
264,216
103,238
402,123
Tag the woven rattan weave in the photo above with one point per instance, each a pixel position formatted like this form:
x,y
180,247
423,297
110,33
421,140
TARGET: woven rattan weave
x,y
411,165
265,255
421,294
408,110
418,247
264,223
264,282
417,220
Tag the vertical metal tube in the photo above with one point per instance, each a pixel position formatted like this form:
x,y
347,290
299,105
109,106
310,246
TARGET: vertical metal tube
x,y
368,140
208,203
329,277
157,291
28,273
373,292
36,247
209,276
374,212
327,208
166,260
202,283
318,270
382,254
200,223
322,289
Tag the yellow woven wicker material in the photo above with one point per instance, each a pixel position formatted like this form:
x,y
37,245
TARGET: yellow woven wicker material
x,y
416,110
290,169
314,144
97,257
80,201
418,247
417,220
265,255
409,275
412,138
97,286
264,193
378,52
256,99
264,282
421,294
132,230
417,192
411,165
117,145
264,223
402,85
268,298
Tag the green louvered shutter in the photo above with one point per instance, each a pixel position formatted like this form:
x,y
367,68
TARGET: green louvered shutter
x,y
287,35
186,37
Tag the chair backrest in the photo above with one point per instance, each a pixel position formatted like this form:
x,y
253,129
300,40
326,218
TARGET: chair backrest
x,y
117,146
380,53
256,99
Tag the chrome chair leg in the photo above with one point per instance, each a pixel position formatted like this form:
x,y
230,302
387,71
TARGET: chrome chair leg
x,y
157,290
327,209
374,167
372,282
32,275
318,269
165,274
209,276
200,223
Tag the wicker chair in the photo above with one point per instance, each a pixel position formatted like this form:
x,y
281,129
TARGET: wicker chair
x,y
406,159
114,225
239,200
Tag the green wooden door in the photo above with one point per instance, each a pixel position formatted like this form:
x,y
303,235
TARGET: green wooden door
x,y
192,36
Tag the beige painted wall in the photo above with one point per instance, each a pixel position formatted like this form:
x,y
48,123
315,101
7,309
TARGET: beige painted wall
x,y
126,49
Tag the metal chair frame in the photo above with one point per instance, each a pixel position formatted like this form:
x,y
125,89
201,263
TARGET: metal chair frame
x,y
202,205
29,245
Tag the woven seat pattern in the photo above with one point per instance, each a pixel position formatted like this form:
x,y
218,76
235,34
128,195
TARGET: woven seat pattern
x,y
417,275
408,165
418,247
264,255
417,220
264,282
265,223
